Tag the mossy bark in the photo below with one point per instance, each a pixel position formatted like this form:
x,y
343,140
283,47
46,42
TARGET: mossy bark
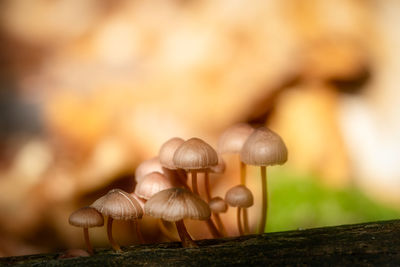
x,y
366,244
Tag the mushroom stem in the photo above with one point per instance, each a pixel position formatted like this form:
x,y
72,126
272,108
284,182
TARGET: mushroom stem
x,y
194,183
221,226
165,231
114,245
239,221
87,241
264,207
214,231
243,182
183,178
138,233
207,186
187,241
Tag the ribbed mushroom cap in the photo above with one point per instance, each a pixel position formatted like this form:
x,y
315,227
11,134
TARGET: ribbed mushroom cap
x,y
119,205
167,150
264,148
233,138
86,217
195,154
218,205
146,167
239,196
176,204
151,184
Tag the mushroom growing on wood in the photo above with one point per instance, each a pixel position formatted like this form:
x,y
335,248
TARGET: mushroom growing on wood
x,y
264,148
176,204
194,156
119,205
231,141
86,217
217,206
241,197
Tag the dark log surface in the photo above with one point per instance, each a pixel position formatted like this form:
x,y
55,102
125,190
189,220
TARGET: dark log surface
x,y
369,244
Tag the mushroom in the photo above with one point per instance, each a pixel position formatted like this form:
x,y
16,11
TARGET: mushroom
x,y
176,204
195,155
146,167
231,141
119,205
166,154
264,148
241,197
218,205
86,217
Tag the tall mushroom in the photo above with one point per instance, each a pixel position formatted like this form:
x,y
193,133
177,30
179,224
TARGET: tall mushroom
x,y
241,197
194,156
86,217
176,204
119,205
264,148
231,141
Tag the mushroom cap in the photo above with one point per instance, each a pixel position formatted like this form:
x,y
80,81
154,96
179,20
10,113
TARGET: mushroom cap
x,y
167,150
86,217
264,148
218,205
220,167
119,205
239,196
141,201
233,138
151,184
175,204
146,167
195,154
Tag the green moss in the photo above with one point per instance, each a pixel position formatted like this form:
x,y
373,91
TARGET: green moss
x,y
301,201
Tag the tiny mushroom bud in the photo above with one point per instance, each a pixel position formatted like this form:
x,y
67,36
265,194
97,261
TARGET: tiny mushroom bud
x,y
119,205
86,217
218,205
241,197
264,148
176,204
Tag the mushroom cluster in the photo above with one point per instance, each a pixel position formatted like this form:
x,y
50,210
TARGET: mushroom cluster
x,y
162,190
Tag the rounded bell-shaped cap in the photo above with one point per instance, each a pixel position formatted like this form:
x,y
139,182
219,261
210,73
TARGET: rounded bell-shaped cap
x,y
239,196
176,204
119,205
167,150
195,154
146,167
151,184
218,205
220,167
86,217
264,148
233,138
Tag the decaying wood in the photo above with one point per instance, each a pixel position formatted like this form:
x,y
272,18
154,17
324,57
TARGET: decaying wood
x,y
361,244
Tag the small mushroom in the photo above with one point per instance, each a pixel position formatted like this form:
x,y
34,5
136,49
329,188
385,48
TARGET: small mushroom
x,y
146,167
194,156
217,206
151,184
264,148
176,204
86,217
241,197
119,205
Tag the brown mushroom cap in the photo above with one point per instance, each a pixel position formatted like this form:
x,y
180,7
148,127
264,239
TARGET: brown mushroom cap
x,y
239,196
220,167
233,138
146,167
195,154
119,205
175,204
218,205
167,150
86,217
264,148
151,184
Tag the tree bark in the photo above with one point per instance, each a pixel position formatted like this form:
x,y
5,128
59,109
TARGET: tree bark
x,y
365,244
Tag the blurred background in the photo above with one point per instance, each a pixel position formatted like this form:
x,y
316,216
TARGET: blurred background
x,y
89,89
